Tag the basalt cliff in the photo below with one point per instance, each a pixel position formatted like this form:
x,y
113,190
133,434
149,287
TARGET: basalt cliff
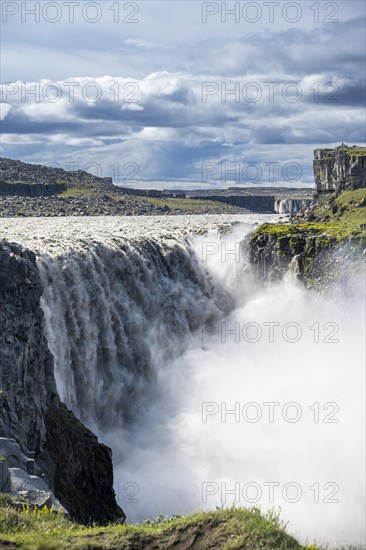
x,y
324,244
46,455
339,169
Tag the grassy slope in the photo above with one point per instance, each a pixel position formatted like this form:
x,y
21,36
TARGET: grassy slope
x,y
183,204
312,244
78,192
190,205
223,529
354,151
350,151
187,204
334,218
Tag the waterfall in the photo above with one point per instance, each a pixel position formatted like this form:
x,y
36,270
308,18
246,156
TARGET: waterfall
x,y
210,388
119,311
291,206
121,299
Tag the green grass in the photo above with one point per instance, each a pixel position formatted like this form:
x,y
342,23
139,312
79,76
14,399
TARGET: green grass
x,y
334,223
347,213
194,205
190,205
78,192
231,529
354,151
351,151
336,218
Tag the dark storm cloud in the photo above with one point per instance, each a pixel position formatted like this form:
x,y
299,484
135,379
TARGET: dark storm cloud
x,y
18,123
338,48
352,94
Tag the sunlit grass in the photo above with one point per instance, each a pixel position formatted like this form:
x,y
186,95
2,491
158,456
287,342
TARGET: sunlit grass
x,y
230,529
336,218
187,204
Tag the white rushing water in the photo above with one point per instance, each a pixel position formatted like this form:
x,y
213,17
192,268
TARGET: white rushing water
x,y
211,388
290,206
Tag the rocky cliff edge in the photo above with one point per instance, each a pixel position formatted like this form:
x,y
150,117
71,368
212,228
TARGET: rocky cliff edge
x,y
45,452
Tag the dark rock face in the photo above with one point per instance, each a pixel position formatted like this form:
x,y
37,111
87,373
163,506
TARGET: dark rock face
x,y
26,364
339,169
318,261
31,190
76,467
22,174
273,256
82,468
328,252
254,203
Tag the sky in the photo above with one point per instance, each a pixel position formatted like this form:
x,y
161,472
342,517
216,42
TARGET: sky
x,y
182,94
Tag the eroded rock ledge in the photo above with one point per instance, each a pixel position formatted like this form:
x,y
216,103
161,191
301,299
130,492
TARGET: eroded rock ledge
x,y
339,169
325,244
54,445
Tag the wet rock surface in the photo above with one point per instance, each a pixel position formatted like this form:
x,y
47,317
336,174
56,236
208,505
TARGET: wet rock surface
x,y
38,435
323,245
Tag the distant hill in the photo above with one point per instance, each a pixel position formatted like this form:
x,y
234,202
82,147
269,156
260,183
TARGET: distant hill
x,y
38,190
15,172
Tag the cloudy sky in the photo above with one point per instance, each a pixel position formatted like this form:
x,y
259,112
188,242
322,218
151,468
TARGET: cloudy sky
x,y
182,93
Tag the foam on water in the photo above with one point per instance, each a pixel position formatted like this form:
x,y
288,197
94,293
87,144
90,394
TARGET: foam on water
x,y
210,387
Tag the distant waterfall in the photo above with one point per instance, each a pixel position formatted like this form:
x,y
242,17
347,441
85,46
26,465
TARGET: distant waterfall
x,y
291,206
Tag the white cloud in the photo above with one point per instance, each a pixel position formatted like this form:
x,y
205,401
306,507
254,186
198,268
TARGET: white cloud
x,y
5,108
151,108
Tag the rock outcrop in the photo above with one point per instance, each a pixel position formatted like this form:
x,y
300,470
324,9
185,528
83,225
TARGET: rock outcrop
x,y
53,444
31,189
324,243
339,169
25,488
314,257
22,174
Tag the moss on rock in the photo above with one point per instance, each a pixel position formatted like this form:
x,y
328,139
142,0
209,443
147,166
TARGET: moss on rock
x,y
311,242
